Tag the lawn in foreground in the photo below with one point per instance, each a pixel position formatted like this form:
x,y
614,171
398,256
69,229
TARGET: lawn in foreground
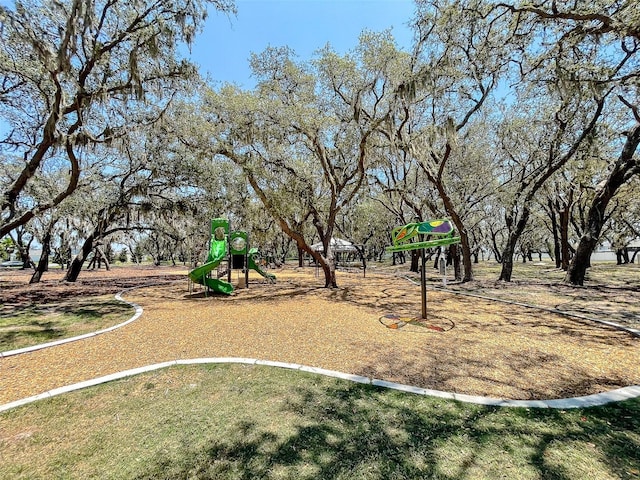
x,y
240,421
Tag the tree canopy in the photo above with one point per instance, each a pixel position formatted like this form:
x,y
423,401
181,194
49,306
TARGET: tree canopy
x,y
519,122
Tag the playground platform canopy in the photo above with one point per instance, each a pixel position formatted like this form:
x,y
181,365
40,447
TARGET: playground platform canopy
x,y
338,245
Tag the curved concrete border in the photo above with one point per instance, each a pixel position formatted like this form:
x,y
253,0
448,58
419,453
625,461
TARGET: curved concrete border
x,y
597,399
62,341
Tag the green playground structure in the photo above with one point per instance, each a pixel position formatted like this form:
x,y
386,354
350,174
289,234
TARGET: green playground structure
x,y
410,237
254,264
234,249
218,251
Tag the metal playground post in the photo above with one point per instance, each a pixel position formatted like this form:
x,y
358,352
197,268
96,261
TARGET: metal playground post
x,y
404,239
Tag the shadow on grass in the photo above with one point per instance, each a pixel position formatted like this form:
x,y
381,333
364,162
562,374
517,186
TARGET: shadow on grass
x,y
43,323
85,308
40,332
356,431
90,313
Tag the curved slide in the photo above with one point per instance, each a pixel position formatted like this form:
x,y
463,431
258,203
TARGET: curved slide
x,y
253,264
217,253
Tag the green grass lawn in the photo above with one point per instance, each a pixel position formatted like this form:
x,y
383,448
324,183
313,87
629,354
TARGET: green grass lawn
x,y
256,422
252,422
27,325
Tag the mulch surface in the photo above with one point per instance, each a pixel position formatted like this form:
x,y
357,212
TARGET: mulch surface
x,y
466,345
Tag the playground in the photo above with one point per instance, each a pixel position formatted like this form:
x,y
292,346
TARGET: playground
x,y
488,348
189,419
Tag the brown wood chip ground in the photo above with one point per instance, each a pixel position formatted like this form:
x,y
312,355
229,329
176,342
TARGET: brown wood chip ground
x,y
487,348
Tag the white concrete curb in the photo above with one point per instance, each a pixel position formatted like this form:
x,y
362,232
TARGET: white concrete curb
x,y
117,296
597,399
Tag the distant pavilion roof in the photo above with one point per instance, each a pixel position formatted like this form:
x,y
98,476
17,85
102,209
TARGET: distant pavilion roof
x,y
338,245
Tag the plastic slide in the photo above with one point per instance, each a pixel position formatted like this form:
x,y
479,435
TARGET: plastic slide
x,y
253,264
217,253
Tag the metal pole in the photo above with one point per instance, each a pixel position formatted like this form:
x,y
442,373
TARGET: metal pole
x,y
423,284
246,269
229,260
246,263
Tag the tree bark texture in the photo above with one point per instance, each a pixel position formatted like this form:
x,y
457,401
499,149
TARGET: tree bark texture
x,y
554,230
564,239
507,263
76,265
43,263
510,247
625,167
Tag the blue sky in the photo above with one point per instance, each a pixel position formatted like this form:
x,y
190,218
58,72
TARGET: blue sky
x,y
223,49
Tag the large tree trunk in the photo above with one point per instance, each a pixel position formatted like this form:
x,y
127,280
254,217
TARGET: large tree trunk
x,y
105,257
467,259
98,257
626,166
415,263
581,260
455,255
363,258
556,239
43,263
621,257
328,265
507,262
92,240
76,265
450,208
494,246
437,259
23,250
564,240
330,280
25,256
510,247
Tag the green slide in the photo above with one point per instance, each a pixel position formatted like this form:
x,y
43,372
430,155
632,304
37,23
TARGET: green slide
x,y
217,253
253,264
